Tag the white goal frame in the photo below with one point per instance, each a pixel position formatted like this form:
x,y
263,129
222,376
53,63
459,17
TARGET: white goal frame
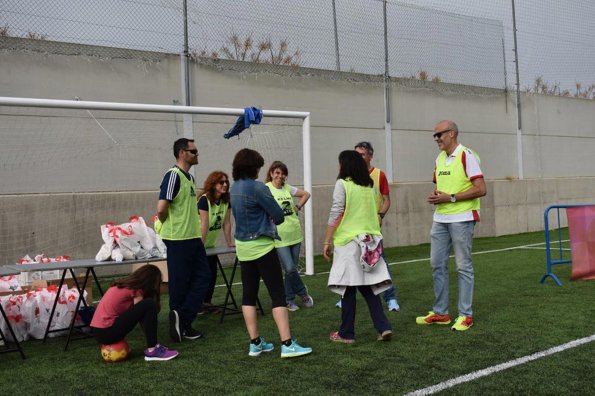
x,y
136,107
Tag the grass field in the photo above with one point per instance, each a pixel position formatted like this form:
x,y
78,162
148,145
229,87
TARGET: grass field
x,y
515,316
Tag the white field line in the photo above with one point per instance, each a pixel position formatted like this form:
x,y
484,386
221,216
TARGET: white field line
x,y
500,367
428,259
543,248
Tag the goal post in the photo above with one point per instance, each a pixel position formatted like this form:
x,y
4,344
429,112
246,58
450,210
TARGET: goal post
x,y
580,220
303,117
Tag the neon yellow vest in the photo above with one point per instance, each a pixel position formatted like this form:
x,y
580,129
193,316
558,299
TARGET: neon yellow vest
x,y
182,220
375,175
290,230
360,216
216,217
452,179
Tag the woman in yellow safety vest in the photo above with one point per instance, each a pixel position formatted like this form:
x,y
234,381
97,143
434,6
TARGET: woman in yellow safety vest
x,y
357,260
290,232
213,209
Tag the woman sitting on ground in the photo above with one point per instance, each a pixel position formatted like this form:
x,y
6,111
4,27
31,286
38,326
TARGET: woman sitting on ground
x,y
132,300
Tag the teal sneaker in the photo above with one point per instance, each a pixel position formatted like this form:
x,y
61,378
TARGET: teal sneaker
x,y
264,346
294,350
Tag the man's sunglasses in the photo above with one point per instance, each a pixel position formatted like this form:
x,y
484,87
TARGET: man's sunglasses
x,y
193,151
438,135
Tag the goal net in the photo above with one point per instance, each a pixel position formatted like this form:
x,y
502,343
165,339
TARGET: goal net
x,y
69,166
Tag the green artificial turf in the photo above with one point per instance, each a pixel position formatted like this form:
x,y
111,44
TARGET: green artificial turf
x,y
515,316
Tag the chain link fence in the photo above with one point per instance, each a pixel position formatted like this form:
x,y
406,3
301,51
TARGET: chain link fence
x,y
466,42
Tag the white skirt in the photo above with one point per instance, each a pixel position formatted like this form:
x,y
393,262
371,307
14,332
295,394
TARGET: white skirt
x,y
347,271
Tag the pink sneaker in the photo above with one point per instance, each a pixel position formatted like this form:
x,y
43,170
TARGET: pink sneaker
x,y
335,337
160,353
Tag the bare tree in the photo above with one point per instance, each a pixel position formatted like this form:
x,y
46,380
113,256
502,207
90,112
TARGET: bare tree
x,y
264,51
36,36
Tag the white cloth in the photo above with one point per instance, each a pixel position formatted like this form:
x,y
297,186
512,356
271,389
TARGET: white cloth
x,y
347,271
370,249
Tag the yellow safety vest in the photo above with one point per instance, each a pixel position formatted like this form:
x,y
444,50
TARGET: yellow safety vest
x,y
360,216
182,220
452,179
217,213
375,175
290,231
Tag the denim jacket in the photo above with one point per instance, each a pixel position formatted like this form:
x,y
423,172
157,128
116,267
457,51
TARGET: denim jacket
x,y
255,210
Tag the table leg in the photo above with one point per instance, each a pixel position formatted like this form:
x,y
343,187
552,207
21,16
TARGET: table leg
x,y
78,304
97,282
47,329
227,284
76,283
14,337
229,293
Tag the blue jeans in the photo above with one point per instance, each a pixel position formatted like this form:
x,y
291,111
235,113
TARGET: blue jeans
x,y
289,257
459,236
390,293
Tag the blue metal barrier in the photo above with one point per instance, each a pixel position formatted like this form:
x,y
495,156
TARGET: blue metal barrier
x,y
548,253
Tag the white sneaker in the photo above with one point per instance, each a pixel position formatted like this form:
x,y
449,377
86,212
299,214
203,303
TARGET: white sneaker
x,y
307,301
393,306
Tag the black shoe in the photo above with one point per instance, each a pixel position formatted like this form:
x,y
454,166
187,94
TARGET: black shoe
x,y
174,326
192,334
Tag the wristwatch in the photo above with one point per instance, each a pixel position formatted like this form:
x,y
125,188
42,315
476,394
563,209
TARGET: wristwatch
x,y
453,198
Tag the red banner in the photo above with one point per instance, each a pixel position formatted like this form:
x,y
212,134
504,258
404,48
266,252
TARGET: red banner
x,y
581,226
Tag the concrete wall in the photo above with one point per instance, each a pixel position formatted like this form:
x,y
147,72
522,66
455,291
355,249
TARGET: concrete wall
x,y
69,223
558,139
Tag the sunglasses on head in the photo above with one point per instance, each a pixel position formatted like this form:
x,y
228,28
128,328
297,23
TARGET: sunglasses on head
x,y
365,145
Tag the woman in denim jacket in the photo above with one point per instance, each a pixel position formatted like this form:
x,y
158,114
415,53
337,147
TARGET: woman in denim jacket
x,y
256,213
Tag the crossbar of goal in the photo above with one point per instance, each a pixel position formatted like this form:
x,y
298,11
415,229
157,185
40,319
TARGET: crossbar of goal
x,y
154,108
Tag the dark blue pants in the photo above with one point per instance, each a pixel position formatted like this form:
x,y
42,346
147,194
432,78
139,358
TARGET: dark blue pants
x,y
213,260
379,319
189,277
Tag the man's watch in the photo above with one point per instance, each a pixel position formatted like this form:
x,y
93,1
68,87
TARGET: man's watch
x,y
453,198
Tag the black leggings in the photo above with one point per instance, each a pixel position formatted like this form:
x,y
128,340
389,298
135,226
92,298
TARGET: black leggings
x,y
213,266
269,268
143,313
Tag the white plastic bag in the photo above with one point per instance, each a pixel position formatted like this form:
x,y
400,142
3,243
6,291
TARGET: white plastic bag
x,y
12,307
159,249
45,298
140,232
117,254
36,318
128,247
9,283
104,253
